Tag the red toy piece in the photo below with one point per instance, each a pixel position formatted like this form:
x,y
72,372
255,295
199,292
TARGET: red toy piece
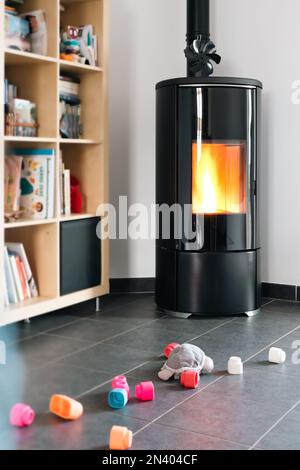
x,y
189,379
145,391
76,196
168,349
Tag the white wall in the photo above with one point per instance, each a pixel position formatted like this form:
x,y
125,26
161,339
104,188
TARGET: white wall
x,y
257,38
146,45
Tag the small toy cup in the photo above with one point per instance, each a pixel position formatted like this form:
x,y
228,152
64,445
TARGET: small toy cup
x,y
235,366
117,398
168,349
21,415
65,407
121,382
277,356
120,438
145,391
189,379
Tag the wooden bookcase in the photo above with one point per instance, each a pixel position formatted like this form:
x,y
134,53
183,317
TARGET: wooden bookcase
x,y
37,78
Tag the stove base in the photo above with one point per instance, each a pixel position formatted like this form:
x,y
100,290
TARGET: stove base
x,y
208,283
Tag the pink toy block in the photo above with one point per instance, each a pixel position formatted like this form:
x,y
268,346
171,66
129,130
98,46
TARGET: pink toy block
x,y
121,382
145,391
21,415
168,349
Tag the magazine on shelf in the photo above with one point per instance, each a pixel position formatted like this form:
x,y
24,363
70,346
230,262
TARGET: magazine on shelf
x,y
19,249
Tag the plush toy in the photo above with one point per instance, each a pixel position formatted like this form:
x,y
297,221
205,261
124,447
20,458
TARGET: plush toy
x,y
185,357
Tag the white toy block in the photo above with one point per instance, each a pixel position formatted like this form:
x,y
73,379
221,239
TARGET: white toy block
x,y
235,366
277,356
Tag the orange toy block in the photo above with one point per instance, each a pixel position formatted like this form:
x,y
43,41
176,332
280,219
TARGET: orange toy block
x,y
120,438
65,407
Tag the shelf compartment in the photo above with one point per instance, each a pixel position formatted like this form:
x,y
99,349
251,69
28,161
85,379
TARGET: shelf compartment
x,y
50,7
85,12
85,164
33,82
41,246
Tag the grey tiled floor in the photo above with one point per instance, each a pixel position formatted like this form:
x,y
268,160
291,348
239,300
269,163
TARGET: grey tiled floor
x,y
77,351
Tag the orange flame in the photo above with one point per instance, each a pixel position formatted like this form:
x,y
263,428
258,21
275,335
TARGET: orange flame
x,y
219,183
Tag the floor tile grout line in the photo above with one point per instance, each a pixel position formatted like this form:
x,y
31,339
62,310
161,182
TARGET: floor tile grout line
x,y
99,342
274,425
212,329
268,303
271,344
110,379
69,323
177,405
204,435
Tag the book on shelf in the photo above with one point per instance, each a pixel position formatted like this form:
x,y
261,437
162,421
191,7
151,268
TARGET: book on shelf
x,y
67,192
70,107
20,115
25,31
19,284
31,192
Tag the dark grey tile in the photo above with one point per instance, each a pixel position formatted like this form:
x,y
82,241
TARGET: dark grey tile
x,y
114,359
229,418
43,348
22,330
152,339
283,306
260,385
157,437
225,342
291,345
90,432
91,330
285,436
194,326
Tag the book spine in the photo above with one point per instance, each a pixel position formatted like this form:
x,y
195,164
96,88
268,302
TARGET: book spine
x,y
12,293
67,191
28,292
16,278
21,277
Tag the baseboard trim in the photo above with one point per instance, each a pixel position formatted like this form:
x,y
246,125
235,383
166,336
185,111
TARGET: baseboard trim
x,y
280,291
132,285
147,285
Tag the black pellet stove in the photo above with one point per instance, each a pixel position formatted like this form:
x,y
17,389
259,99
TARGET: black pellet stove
x,y
206,173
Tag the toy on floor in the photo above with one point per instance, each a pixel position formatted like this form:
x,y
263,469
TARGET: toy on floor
x,y
277,356
120,438
21,415
117,398
235,366
189,379
65,407
185,357
121,382
145,391
168,349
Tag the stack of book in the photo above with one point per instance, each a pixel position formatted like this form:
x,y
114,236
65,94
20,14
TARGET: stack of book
x,y
79,44
65,188
27,31
20,115
30,184
19,284
70,107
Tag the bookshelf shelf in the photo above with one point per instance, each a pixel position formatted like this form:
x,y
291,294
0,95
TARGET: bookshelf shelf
x,y
14,57
38,80
80,142
30,140
74,67
28,223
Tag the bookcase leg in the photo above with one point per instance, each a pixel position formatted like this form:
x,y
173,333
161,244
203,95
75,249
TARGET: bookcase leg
x,y
98,304
27,321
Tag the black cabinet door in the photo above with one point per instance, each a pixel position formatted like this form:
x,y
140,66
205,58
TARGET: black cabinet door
x,y
80,255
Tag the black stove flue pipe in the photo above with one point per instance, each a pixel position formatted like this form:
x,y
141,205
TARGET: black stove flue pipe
x,y
200,50
198,19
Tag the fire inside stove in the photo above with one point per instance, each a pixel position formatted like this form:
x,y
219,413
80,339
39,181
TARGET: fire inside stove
x,y
218,178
